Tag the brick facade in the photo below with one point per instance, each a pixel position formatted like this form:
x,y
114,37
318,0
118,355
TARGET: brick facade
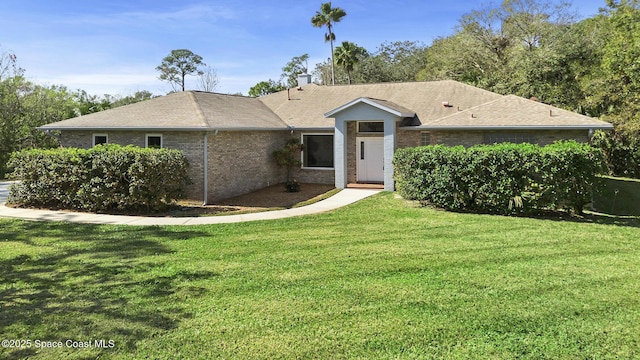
x,y
241,161
454,138
470,138
406,138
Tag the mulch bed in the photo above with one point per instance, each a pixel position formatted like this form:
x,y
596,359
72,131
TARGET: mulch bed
x,y
273,197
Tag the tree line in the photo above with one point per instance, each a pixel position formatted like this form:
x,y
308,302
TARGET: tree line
x,y
531,48
537,49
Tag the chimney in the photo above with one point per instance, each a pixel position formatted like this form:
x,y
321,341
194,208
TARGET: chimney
x,y
304,79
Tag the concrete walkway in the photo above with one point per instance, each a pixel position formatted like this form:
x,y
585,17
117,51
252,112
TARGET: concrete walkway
x,y
344,197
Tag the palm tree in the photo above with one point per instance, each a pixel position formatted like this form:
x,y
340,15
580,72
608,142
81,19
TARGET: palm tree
x,y
327,16
348,55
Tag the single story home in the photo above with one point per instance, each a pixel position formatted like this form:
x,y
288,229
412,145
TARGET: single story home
x,y
349,132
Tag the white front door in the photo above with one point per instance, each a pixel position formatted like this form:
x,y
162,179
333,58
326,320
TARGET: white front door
x,y
370,165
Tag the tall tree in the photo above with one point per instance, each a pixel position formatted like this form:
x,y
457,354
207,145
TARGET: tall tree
x,y
177,65
138,96
265,87
348,55
25,106
9,65
520,47
322,72
392,62
298,65
327,16
621,60
619,88
87,103
11,86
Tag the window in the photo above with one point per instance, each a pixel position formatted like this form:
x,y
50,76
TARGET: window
x,y
317,151
425,138
370,126
154,141
99,139
503,137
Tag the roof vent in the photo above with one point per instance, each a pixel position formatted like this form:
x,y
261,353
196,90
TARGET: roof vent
x,y
304,79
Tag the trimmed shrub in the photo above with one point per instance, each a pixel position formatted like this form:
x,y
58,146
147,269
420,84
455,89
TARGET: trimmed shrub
x,y
103,178
570,175
500,179
621,152
292,186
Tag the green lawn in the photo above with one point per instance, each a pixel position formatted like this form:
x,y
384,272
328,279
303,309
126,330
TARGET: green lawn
x,y
378,279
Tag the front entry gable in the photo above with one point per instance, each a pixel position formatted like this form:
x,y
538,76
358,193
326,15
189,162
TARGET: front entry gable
x,y
365,105
366,109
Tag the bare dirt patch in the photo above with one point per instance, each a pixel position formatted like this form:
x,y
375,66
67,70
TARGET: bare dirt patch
x,y
271,198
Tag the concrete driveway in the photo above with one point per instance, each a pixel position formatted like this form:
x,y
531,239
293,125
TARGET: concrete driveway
x,y
4,190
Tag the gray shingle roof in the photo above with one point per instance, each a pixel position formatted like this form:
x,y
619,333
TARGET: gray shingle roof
x,y
226,112
306,107
188,110
436,104
512,111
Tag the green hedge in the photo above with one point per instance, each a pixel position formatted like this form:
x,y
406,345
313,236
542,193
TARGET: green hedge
x,y
103,178
500,179
621,152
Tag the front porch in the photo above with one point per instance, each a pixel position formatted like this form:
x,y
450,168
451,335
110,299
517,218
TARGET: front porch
x,y
365,186
364,155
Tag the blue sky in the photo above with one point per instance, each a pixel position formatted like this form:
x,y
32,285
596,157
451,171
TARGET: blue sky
x,y
114,46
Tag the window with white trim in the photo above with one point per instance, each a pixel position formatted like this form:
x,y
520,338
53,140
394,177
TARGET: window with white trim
x,y
99,139
154,141
317,151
